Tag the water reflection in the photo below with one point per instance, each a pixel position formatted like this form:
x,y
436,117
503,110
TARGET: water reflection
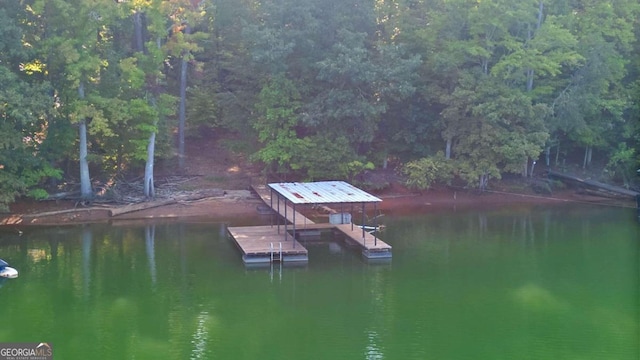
x,y
150,244
372,351
275,268
378,313
87,240
535,298
200,337
543,284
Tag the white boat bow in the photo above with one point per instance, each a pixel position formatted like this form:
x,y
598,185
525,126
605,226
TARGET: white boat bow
x,y
6,271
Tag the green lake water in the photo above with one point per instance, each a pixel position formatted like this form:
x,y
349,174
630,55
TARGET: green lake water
x,y
557,282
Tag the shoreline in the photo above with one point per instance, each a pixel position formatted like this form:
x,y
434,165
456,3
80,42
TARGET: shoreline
x,y
244,203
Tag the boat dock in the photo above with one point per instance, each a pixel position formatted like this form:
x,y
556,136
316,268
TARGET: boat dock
x,y
277,243
260,244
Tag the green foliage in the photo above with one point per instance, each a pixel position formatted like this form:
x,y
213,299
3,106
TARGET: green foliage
x,y
10,187
322,159
502,126
203,109
359,84
146,116
320,89
477,174
277,108
132,75
356,167
38,194
26,109
421,174
23,174
622,163
552,49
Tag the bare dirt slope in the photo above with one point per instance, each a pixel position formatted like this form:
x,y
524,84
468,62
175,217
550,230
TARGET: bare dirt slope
x,y
215,183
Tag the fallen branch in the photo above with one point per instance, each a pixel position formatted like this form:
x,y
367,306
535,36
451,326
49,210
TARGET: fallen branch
x,y
64,195
61,212
602,188
140,206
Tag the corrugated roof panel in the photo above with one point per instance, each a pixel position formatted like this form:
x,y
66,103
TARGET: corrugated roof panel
x,y
322,192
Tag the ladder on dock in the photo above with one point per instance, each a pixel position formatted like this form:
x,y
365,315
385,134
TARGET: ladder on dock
x,y
276,254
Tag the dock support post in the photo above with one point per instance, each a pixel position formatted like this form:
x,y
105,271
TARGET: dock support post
x,y
375,224
271,204
278,216
285,220
363,222
352,214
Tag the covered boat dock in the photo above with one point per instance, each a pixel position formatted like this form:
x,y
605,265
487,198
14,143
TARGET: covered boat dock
x,y
278,243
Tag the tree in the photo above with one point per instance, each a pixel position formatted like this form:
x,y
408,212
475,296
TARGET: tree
x,y
182,43
591,108
422,173
325,87
144,72
277,108
25,109
503,126
74,47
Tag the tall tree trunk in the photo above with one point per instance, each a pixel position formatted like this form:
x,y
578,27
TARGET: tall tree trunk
x,y
540,14
547,155
447,151
137,31
529,80
586,156
485,66
85,180
385,159
183,106
149,189
484,181
533,166
530,72
86,193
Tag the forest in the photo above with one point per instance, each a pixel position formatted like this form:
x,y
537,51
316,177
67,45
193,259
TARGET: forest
x,y
94,91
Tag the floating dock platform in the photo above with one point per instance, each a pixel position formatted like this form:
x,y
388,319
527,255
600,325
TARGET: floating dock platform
x,y
263,244
277,243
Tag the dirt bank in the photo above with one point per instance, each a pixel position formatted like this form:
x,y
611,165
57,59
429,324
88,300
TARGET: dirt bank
x,y
243,203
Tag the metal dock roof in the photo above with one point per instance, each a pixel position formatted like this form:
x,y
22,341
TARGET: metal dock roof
x,y
322,192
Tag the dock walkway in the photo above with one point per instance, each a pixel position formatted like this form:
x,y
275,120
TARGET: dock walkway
x,y
275,243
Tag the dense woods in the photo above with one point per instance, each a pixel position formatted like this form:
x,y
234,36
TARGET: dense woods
x,y
94,90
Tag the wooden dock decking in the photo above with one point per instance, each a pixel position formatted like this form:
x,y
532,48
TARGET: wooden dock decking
x,y
261,243
264,244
